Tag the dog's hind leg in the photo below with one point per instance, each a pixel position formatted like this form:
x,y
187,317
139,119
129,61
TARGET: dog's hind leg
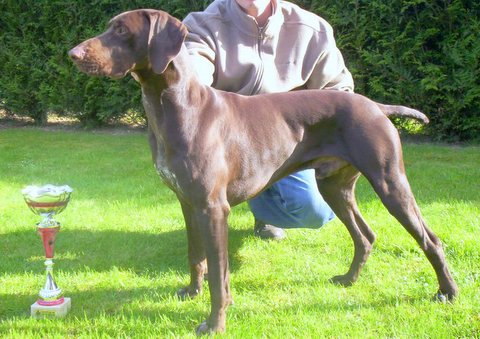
x,y
338,191
394,191
382,164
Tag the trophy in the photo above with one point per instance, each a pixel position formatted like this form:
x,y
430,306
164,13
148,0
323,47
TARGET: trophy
x,y
48,201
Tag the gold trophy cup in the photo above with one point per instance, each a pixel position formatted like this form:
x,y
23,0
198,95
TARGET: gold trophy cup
x,y
48,201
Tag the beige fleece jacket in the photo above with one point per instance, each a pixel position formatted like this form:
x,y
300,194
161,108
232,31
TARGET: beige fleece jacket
x,y
295,48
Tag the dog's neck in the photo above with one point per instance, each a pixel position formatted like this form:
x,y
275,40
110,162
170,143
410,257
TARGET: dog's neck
x,y
179,74
177,87
178,80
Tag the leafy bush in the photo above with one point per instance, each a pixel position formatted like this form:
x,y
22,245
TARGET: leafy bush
x,y
37,76
421,53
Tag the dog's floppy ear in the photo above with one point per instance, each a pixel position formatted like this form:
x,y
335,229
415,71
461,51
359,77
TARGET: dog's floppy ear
x,y
165,39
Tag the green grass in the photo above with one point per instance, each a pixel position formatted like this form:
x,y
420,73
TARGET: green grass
x,y
122,253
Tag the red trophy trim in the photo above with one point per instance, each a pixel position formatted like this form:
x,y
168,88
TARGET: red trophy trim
x,y
47,204
51,303
48,237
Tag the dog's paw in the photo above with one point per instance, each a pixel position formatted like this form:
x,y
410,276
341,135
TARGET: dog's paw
x,y
205,329
187,293
444,298
343,280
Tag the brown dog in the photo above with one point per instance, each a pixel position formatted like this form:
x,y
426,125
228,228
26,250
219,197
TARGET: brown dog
x,y
217,149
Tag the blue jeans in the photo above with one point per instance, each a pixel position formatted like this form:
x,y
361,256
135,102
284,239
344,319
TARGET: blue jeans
x,y
292,202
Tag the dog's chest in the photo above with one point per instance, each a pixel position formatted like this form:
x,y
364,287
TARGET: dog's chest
x,y
167,175
157,145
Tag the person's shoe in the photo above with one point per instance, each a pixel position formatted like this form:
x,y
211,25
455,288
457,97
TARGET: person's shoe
x,y
264,231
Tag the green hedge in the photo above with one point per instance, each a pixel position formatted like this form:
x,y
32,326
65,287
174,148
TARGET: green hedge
x,y
421,53
37,76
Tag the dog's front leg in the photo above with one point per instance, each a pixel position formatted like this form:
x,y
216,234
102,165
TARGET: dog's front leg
x,y
213,224
196,255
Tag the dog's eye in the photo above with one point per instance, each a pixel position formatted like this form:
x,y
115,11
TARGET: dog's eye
x,y
121,30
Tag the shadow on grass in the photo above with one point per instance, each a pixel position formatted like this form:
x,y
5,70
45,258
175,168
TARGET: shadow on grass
x,y
79,251
108,302
143,253
86,251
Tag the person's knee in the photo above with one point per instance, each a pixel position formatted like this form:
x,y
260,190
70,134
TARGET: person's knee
x,y
292,209
310,210
324,214
316,211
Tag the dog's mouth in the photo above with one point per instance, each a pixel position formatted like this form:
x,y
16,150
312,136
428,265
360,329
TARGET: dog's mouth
x,y
93,59
91,68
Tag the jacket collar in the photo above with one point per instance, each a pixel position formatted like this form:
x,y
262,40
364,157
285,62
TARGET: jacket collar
x,y
247,24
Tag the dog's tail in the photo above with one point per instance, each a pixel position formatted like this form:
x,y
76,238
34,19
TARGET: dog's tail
x,y
403,112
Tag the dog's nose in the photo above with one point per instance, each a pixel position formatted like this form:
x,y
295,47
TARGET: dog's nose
x,y
76,53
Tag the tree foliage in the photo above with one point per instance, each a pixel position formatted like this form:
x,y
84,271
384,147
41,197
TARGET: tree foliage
x,y
421,53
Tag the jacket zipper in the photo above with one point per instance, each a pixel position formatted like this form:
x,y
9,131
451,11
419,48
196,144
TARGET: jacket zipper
x,y
261,67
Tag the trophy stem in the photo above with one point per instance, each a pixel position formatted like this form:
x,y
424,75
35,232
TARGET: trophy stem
x,y
50,294
48,235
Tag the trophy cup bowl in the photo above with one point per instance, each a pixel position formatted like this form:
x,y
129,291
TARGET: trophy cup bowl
x,y
47,201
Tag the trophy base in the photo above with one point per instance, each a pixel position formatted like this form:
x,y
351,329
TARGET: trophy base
x,y
59,310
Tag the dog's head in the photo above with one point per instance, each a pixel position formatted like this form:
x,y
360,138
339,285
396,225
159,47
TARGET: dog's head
x,y
133,41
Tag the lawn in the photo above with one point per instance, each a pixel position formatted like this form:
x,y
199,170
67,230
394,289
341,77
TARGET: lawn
x,y
122,253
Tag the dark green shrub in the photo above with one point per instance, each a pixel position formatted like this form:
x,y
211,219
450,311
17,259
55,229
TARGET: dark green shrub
x,y
420,53
37,77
